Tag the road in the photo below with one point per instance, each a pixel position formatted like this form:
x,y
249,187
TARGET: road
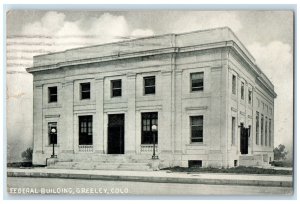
x,y
26,185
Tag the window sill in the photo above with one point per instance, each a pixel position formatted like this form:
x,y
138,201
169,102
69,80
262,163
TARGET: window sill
x,y
150,94
194,92
196,144
52,145
52,105
148,144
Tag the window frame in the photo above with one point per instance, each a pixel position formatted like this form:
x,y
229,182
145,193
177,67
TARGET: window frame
x,y
85,91
201,129
262,130
249,96
270,132
233,130
114,89
50,125
266,131
52,94
191,82
233,84
149,86
147,135
257,127
242,90
85,129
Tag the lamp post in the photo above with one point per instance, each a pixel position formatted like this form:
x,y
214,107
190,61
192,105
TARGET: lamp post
x,y
53,132
154,130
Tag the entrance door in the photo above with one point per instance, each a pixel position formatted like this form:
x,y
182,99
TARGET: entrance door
x,y
244,140
115,134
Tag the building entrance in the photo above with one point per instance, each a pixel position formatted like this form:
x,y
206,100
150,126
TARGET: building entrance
x,y
115,134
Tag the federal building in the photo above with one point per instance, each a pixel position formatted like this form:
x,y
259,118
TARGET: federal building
x,y
202,91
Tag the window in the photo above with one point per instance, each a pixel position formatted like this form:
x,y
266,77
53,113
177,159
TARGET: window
x,y
233,84
149,119
149,85
250,97
195,163
235,162
257,128
52,133
196,128
197,81
249,134
242,90
266,132
233,130
270,136
116,88
262,130
85,90
86,130
52,94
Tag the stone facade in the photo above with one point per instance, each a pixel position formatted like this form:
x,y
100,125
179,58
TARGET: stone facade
x,y
216,54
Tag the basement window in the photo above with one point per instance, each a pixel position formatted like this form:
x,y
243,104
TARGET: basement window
x,y
235,162
195,163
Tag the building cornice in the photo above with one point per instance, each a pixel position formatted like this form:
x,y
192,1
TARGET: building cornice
x,y
122,56
170,50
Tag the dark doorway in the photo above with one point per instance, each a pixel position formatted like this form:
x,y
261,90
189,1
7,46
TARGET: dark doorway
x,y
244,139
115,144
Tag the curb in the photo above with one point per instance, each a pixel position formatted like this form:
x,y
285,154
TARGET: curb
x,y
154,179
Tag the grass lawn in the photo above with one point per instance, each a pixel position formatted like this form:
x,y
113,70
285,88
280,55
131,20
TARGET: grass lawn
x,y
235,170
284,163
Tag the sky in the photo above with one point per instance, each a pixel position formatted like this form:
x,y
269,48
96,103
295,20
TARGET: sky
x,y
268,35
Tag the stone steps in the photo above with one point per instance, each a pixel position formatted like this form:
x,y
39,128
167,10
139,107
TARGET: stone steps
x,y
114,158
102,166
254,161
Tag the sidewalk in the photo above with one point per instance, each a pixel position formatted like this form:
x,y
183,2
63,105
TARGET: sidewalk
x,y
157,176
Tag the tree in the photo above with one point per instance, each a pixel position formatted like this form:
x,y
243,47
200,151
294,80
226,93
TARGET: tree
x,y
280,152
27,154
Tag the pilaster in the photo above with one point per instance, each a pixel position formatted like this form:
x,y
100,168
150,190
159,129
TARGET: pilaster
x,y
178,115
130,137
98,136
165,133
38,118
67,135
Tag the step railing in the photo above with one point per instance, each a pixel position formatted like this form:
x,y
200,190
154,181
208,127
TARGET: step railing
x,y
148,149
85,148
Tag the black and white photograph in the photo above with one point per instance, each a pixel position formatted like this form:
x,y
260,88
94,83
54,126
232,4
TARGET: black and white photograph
x,y
149,102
